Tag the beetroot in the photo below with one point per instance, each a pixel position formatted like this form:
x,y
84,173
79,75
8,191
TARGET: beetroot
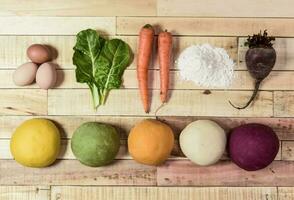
x,y
260,59
253,146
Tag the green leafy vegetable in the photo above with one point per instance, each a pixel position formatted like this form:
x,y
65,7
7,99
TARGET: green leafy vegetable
x,y
100,63
260,40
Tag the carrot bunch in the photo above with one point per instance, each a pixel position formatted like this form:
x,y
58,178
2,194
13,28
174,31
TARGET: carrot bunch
x,y
146,38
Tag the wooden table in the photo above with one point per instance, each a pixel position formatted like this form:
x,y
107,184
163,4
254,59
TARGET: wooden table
x,y
221,23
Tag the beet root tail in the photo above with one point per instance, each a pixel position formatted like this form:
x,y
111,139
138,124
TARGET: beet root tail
x,y
256,88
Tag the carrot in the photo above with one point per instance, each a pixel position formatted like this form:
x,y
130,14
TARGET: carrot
x,y
144,56
164,53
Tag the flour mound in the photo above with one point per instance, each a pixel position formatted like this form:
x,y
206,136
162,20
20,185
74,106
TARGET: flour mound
x,y
206,66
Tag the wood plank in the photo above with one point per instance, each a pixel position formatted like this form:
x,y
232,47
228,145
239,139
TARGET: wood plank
x,y
55,25
184,173
284,48
287,150
285,193
215,8
71,172
181,103
208,26
66,79
13,48
163,193
79,8
23,102
283,104
24,193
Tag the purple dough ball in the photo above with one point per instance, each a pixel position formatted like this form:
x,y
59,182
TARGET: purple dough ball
x,y
253,146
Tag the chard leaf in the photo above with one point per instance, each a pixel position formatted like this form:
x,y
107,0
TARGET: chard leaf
x,y
100,63
87,50
112,61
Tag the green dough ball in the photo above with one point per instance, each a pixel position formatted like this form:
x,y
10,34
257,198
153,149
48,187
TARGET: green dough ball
x,y
95,144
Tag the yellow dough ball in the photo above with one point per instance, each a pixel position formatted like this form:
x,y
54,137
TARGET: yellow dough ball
x,y
35,143
150,142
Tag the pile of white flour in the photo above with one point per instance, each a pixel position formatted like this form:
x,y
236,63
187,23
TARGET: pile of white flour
x,y
206,66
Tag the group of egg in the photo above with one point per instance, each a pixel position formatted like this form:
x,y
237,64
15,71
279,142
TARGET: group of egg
x,y
40,69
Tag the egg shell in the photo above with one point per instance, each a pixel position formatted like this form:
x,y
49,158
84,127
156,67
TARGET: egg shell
x,y
203,142
46,76
38,53
25,74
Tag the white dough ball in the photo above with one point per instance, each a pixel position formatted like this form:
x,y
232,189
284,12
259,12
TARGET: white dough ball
x,y
203,142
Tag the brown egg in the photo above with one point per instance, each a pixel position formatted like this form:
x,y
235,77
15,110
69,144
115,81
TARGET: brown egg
x,y
38,53
25,74
46,76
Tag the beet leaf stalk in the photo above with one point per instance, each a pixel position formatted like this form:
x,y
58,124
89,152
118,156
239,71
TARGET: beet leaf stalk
x,y
260,59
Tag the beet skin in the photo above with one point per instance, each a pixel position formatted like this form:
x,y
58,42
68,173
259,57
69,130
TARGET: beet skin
x,y
260,59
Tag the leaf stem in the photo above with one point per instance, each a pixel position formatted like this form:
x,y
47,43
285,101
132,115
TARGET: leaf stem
x,y
95,95
103,96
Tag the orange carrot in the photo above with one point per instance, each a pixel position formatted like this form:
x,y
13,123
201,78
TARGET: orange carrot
x,y
164,54
144,56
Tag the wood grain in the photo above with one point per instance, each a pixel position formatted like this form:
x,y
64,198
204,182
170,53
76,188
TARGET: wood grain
x,y
207,26
162,193
283,104
71,172
284,48
184,173
215,8
13,48
23,102
55,25
288,150
285,193
78,8
24,193
182,103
